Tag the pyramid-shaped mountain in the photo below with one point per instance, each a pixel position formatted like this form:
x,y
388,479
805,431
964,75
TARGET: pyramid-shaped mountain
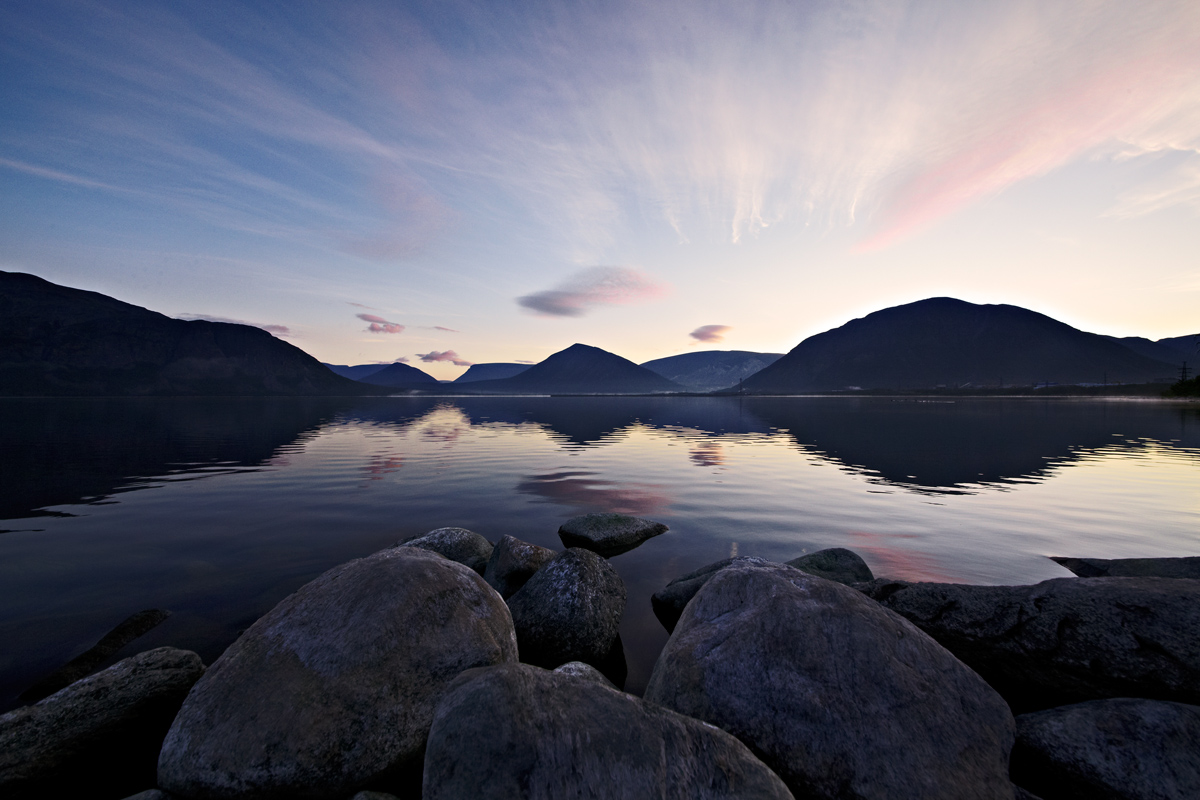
x,y
55,340
943,342
399,375
580,369
491,372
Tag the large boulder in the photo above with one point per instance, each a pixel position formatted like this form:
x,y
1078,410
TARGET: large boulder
x,y
569,611
1064,640
1117,748
608,534
457,544
100,736
837,695
835,564
1188,567
514,562
334,689
519,731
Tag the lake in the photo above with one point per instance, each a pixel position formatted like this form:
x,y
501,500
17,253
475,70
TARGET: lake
x,y
217,508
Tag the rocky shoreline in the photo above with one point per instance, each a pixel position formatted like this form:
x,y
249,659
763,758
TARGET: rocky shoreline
x,y
448,667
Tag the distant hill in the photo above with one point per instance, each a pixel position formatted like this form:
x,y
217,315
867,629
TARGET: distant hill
x,y
1147,347
357,372
580,369
1184,346
399,376
952,343
490,372
708,370
55,340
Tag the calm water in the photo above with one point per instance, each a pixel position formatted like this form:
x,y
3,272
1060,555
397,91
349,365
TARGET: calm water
x,y
217,509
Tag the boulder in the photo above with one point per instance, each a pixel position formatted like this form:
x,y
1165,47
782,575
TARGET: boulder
x,y
100,736
333,690
835,564
513,562
519,731
1116,748
456,544
569,611
608,534
841,698
1064,640
1132,567
150,794
578,669
668,603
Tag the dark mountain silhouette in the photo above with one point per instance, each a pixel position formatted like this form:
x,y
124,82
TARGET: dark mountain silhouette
x,y
399,376
1149,348
490,372
55,340
952,343
1184,346
708,370
356,372
580,369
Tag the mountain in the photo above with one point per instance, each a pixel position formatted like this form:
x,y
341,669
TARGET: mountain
x,y
357,372
708,370
55,340
952,343
580,369
399,376
490,372
1184,346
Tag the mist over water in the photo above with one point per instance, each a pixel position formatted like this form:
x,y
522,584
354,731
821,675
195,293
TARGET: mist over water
x,y
218,508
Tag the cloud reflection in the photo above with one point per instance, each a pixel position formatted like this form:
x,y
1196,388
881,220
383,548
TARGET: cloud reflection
x,y
591,494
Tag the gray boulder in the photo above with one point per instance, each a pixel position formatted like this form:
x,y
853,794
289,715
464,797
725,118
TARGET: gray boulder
x,y
519,731
1064,640
569,611
456,544
333,690
608,534
513,562
840,697
578,669
100,736
1132,567
835,564
1117,748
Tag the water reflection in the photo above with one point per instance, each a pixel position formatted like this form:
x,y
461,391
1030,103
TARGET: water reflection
x,y
588,493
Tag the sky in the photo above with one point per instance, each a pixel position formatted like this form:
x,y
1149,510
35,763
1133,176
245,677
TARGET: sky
x,y
449,183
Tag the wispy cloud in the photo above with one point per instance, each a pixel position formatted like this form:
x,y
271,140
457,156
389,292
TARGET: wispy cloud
x,y
710,333
597,286
380,325
445,355
274,330
524,361
447,330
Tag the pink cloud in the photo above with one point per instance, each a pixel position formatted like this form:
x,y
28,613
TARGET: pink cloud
x,y
446,355
274,330
597,286
380,325
710,333
1056,128
360,305
447,330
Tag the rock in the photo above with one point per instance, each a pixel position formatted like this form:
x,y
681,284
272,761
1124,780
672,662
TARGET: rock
x,y
150,794
569,611
1132,567
100,736
1064,640
333,690
513,562
668,603
586,672
1118,748
364,795
608,534
835,564
456,544
519,731
86,663
840,697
